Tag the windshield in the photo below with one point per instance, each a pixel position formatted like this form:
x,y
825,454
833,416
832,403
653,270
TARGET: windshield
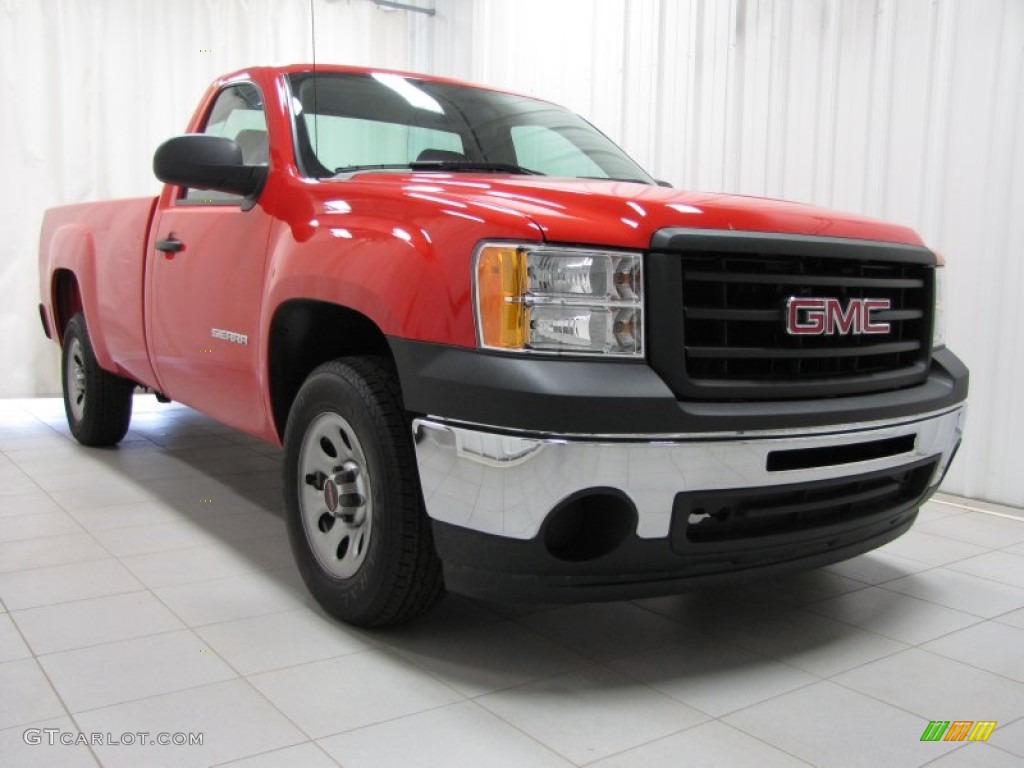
x,y
348,122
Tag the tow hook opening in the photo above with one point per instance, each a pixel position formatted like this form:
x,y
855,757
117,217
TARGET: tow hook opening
x,y
589,524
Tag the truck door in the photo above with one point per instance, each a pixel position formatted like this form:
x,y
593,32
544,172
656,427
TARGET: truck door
x,y
205,280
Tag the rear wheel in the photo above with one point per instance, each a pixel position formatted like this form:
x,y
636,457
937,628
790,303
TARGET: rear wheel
x,y
98,403
356,521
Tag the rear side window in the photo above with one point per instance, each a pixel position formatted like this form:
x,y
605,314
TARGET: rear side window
x,y
237,114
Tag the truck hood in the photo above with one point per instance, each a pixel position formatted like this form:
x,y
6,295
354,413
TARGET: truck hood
x,y
626,214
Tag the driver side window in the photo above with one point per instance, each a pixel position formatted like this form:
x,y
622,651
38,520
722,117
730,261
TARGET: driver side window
x,y
237,114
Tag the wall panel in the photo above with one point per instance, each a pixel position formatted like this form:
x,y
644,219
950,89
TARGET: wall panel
x,y
910,110
91,87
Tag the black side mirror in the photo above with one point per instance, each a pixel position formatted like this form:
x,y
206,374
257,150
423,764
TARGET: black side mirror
x,y
201,161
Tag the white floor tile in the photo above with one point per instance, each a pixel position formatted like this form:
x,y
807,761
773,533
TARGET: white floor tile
x,y
978,528
900,617
934,510
235,722
63,583
925,547
27,504
1009,737
327,697
479,659
115,516
817,644
255,524
713,609
38,526
973,755
457,736
52,550
16,751
191,509
603,631
712,676
18,485
307,755
113,673
27,695
930,686
993,646
970,594
103,495
146,539
998,566
235,597
82,475
82,623
804,587
186,566
1013,618
828,725
712,745
592,713
264,643
12,647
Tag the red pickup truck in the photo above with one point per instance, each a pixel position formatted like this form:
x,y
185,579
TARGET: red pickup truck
x,y
500,357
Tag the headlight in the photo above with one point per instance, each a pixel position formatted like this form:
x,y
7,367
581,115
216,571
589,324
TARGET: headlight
x,y
939,313
545,299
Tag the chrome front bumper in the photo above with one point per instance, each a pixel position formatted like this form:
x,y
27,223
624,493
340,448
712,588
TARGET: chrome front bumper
x,y
506,483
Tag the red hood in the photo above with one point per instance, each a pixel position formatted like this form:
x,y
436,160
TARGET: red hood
x,y
626,214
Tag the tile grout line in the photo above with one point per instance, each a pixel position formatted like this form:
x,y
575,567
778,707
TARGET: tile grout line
x,y
994,513
56,693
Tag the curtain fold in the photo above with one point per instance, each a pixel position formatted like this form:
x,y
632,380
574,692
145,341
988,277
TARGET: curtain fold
x,y
91,87
908,110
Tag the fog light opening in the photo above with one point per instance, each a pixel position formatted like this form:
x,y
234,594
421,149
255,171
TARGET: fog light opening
x,y
589,524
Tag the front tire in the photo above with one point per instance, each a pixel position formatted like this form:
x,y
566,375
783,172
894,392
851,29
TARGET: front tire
x,y
98,403
358,530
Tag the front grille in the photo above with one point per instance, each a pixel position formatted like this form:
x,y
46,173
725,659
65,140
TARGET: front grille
x,y
734,295
710,517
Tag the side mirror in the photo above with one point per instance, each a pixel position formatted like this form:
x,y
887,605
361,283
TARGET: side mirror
x,y
201,161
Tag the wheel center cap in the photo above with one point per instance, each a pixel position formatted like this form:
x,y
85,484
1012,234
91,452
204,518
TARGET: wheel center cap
x,y
331,495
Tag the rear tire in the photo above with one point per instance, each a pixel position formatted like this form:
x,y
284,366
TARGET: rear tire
x,y
358,530
98,403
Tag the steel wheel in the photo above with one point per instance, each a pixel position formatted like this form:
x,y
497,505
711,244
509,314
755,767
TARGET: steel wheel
x,y
336,500
75,383
98,403
356,523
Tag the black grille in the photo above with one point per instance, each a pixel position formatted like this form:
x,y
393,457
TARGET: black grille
x,y
709,517
734,335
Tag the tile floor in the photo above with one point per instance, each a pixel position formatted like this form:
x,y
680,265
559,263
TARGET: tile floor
x,y
150,588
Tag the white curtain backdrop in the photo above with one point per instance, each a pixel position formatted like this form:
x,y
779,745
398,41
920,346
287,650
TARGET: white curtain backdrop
x,y
909,110
89,88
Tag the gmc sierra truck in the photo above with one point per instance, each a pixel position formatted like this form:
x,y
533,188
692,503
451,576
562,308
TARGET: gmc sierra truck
x,y
501,358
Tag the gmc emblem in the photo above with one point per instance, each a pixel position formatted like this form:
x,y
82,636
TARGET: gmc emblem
x,y
827,317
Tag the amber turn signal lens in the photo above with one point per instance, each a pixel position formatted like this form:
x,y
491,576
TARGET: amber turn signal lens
x,y
501,282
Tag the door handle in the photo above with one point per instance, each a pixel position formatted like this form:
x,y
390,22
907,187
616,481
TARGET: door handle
x,y
170,245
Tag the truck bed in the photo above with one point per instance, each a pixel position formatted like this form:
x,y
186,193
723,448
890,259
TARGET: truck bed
x,y
76,238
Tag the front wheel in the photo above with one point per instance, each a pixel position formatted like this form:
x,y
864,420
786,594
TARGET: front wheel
x,y
356,521
98,403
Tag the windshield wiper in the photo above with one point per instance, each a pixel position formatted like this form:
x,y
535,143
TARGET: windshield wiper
x,y
443,165
382,167
471,165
